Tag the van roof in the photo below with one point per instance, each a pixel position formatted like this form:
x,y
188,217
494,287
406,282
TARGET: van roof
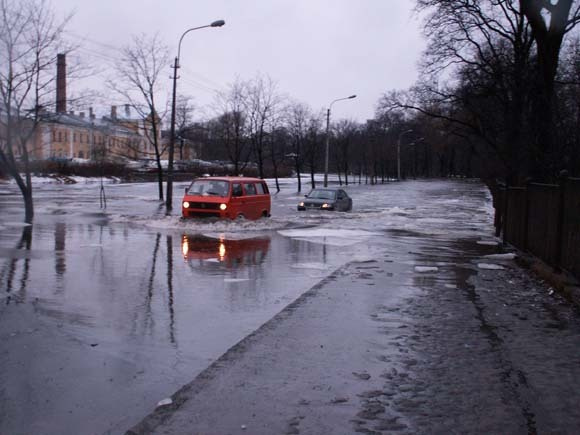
x,y
229,178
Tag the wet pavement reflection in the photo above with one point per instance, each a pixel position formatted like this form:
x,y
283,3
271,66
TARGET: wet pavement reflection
x,y
106,312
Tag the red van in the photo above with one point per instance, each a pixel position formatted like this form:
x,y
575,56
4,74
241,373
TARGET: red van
x,y
226,197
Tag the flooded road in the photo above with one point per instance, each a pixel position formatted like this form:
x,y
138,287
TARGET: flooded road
x,y
107,311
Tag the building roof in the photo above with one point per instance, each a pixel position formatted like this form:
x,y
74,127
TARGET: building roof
x,y
78,121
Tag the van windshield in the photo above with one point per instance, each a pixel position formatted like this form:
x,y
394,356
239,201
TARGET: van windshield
x,y
209,188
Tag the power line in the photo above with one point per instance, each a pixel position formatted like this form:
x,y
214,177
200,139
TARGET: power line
x,y
202,78
93,41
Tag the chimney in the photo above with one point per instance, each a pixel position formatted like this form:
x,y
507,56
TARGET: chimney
x,y
60,83
127,111
91,113
113,112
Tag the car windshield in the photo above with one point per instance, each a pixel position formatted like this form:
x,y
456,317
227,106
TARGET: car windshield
x,y
322,194
209,188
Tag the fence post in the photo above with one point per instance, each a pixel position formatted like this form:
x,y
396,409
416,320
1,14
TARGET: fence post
x,y
560,229
527,212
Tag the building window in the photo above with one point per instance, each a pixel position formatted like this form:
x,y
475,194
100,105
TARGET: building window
x,y
81,155
60,136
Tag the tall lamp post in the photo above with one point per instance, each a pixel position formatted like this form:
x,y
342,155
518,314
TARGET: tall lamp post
x,y
399,153
328,137
169,199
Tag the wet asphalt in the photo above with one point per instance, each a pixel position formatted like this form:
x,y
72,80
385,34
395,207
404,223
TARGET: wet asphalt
x,y
388,319
464,350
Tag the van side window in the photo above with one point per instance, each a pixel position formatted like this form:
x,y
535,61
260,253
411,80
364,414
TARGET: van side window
x,y
265,186
260,188
237,189
250,189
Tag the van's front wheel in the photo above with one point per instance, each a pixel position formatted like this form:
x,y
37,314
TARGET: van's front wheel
x,y
240,217
265,214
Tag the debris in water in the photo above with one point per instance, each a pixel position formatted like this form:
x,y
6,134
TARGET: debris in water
x,y
551,292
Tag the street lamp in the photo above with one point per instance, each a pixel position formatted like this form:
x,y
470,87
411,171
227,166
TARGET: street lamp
x,y
327,136
399,153
168,200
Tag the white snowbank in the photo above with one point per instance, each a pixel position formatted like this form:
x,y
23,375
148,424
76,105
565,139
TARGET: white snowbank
x,y
326,236
490,266
425,269
312,266
487,242
15,224
508,256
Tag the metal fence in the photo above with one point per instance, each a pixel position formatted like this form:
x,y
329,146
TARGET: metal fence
x,y
543,219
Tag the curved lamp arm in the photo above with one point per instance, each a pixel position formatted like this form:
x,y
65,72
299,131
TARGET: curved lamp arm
x,y
217,23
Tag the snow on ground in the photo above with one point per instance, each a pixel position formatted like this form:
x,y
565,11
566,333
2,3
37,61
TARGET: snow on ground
x,y
328,236
507,256
488,242
490,266
426,269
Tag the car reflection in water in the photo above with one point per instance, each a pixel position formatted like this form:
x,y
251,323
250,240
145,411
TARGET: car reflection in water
x,y
231,253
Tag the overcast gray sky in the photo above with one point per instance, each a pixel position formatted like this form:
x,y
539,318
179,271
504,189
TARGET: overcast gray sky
x,y
316,50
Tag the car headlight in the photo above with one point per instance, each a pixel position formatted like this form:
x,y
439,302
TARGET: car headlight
x,y
326,206
185,204
223,207
301,204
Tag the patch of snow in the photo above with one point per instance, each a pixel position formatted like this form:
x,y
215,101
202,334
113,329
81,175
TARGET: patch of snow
x,y
326,236
235,279
164,402
452,286
490,266
363,259
508,256
312,266
425,269
16,224
487,242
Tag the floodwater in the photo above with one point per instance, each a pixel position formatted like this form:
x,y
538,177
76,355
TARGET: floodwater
x,y
107,311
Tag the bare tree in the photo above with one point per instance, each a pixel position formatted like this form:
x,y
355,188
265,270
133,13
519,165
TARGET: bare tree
x,y
297,115
137,82
313,145
262,102
30,38
231,126
550,21
183,117
345,132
